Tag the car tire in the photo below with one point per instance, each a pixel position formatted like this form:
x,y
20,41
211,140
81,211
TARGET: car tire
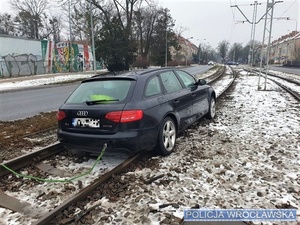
x,y
166,137
212,108
75,153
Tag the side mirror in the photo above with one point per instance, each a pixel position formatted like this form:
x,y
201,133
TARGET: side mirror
x,y
201,82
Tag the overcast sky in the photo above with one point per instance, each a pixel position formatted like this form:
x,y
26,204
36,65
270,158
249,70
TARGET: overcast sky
x,y
211,21
215,20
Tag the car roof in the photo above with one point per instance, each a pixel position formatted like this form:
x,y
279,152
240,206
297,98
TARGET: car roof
x,y
133,74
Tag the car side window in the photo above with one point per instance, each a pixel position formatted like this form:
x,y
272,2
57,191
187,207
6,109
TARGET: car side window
x,y
186,78
170,81
153,87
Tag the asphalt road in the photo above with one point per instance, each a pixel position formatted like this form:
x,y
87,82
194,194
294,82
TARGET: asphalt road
x,y
21,104
293,70
197,69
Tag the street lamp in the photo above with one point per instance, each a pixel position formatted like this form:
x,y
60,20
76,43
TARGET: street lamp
x,y
166,54
70,33
93,39
186,51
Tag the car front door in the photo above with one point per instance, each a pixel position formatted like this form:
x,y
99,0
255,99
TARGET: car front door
x,y
198,93
179,97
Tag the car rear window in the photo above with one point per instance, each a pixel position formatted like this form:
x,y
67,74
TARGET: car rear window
x,y
116,90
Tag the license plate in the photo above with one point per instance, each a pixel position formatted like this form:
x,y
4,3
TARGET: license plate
x,y
86,122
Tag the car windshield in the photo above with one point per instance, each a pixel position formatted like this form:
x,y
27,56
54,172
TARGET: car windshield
x,y
102,91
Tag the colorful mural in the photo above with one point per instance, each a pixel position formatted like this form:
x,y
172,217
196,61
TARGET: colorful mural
x,y
59,57
27,57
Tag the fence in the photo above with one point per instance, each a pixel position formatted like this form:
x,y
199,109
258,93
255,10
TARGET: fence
x,y
27,65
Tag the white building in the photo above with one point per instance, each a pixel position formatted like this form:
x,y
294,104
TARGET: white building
x,y
286,49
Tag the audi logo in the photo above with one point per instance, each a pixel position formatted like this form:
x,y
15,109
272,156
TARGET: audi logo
x,y
82,113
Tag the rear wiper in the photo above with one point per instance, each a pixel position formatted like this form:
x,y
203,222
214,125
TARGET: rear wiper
x,y
101,101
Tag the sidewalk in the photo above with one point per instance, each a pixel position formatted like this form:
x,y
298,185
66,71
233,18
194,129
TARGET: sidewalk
x,y
22,82
39,76
214,223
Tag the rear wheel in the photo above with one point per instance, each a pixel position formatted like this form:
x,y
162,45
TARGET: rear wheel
x,y
76,153
212,108
166,137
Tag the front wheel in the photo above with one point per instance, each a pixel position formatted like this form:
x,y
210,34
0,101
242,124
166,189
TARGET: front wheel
x,y
212,108
166,137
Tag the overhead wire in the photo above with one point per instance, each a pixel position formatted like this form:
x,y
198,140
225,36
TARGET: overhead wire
x,y
260,33
233,23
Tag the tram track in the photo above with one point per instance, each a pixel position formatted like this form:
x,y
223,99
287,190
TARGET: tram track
x,y
55,148
32,158
286,83
85,191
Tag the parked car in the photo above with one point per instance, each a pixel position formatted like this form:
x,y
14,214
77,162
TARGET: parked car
x,y
211,63
134,111
232,63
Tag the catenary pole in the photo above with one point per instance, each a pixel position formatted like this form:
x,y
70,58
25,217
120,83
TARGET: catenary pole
x,y
251,49
93,38
266,35
70,37
252,35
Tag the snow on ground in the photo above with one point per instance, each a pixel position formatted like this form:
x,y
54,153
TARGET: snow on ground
x,y
288,75
56,192
39,80
247,157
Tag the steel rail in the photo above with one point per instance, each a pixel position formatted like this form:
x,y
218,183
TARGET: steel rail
x,y
274,75
220,72
290,91
284,78
85,192
27,159
293,93
53,128
220,95
229,85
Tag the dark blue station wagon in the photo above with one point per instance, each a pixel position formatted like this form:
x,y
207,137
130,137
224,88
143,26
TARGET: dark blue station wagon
x,y
134,111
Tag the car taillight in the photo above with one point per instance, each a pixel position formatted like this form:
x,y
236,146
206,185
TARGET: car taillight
x,y
125,116
60,115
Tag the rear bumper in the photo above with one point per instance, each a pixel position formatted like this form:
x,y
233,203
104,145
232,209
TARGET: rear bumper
x,y
128,142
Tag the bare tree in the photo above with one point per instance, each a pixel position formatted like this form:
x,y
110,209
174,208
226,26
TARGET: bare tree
x,y
223,49
235,52
6,23
145,20
117,15
206,53
52,28
122,9
30,13
178,33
